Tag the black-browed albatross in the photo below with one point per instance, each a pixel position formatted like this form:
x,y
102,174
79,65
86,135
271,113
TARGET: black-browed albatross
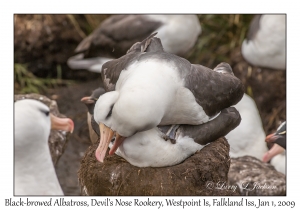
x,y
278,150
118,33
279,137
90,101
34,170
265,45
150,87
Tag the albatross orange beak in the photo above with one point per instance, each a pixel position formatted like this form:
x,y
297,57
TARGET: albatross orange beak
x,y
106,135
271,138
119,140
88,100
64,124
275,150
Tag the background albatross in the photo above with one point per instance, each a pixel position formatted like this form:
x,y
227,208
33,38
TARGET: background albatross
x,y
34,170
119,32
265,45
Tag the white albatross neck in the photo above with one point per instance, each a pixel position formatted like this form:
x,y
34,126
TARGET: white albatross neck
x,y
38,177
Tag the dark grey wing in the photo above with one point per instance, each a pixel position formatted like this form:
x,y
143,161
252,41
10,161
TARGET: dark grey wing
x,y
117,34
214,90
254,27
111,70
85,44
97,93
205,133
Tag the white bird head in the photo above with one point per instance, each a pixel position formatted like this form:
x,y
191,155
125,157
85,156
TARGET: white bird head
x,y
33,120
122,115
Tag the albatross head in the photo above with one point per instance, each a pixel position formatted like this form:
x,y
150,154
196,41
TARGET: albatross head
x,y
34,120
123,116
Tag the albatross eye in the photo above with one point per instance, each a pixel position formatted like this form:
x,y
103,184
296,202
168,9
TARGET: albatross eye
x,y
46,112
110,112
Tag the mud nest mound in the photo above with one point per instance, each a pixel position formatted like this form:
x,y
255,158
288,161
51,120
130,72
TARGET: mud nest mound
x,y
117,177
253,177
58,139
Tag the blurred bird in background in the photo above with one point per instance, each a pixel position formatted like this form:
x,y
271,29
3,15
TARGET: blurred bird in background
x,y
265,45
118,33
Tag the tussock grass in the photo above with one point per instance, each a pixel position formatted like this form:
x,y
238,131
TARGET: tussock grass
x,y
221,34
27,82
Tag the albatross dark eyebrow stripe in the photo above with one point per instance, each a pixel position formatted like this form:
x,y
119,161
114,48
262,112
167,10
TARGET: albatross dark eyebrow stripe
x,y
109,113
46,112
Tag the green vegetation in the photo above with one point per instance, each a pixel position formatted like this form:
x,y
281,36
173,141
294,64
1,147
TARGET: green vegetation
x,y
221,34
26,82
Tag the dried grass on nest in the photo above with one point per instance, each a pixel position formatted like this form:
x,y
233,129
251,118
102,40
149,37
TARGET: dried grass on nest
x,y
117,177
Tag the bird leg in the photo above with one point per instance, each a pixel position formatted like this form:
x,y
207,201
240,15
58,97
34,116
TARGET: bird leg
x,y
166,137
170,133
